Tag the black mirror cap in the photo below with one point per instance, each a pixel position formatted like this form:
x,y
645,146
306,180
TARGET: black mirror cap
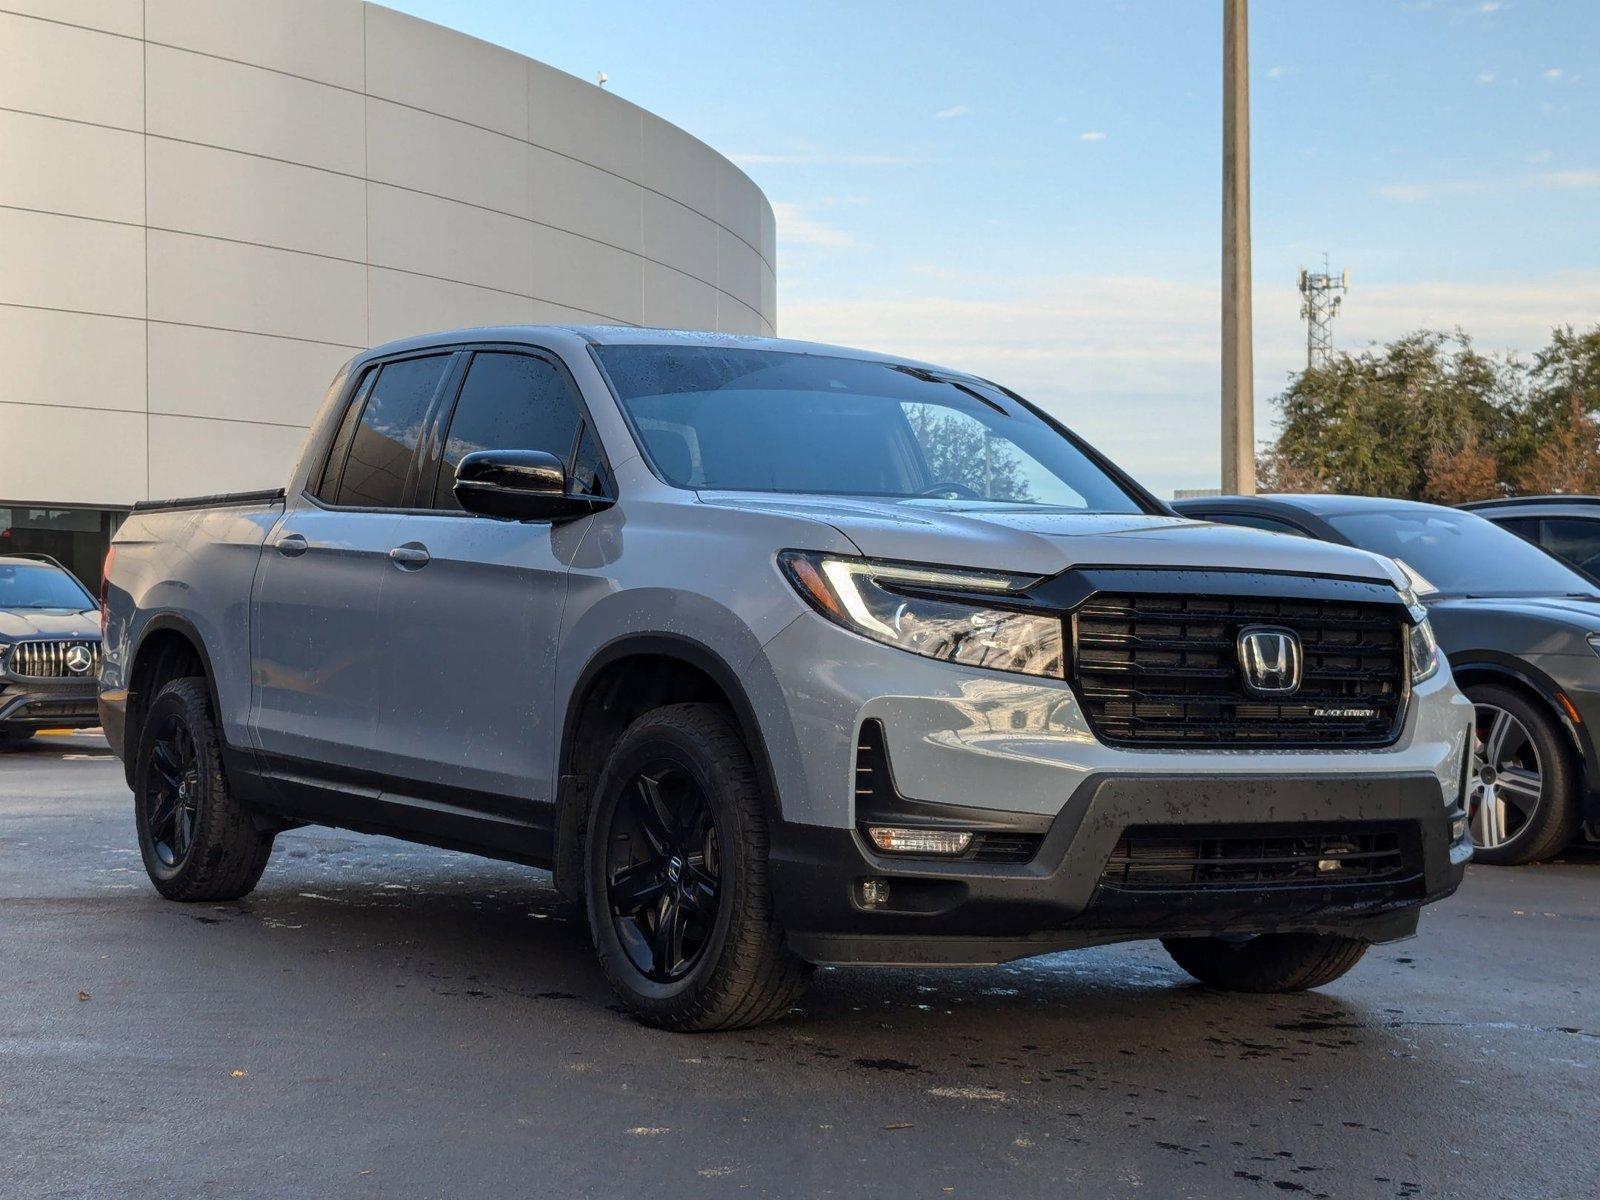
x,y
523,485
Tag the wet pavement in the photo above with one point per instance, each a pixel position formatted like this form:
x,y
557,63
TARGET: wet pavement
x,y
380,1019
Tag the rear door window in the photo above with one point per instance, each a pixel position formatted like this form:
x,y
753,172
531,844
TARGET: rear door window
x,y
377,468
509,401
1576,539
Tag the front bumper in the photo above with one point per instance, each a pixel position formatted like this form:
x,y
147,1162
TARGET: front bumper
x,y
30,704
959,912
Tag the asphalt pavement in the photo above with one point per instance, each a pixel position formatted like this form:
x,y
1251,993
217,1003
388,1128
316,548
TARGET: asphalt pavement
x,y
387,1020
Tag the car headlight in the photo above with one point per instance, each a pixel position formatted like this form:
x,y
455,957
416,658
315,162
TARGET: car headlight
x,y
1424,647
939,612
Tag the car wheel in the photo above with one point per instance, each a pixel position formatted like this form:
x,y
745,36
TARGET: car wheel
x,y
1268,962
196,841
15,741
1522,805
676,877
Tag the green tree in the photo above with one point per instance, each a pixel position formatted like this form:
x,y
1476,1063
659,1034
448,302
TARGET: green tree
x,y
959,449
1424,418
1553,428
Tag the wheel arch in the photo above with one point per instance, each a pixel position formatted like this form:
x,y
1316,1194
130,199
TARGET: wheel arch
x,y
1486,668
682,669
168,648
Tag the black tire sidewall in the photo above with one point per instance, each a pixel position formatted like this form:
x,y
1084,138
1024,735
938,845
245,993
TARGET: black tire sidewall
x,y
646,742
178,700
1557,772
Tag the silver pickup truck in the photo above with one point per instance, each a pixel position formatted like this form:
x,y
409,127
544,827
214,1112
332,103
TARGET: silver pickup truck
x,y
780,654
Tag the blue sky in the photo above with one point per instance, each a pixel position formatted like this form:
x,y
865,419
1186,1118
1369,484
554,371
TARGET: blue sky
x,y
1031,190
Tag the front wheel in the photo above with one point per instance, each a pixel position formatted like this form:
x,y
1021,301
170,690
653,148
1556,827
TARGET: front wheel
x,y
1523,803
1267,962
676,877
197,843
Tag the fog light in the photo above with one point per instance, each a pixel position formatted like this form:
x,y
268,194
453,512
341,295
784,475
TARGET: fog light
x,y
919,841
874,893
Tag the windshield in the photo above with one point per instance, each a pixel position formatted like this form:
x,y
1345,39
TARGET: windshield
x,y
780,421
1461,554
37,585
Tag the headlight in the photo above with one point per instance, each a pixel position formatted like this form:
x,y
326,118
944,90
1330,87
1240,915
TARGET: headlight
x,y
894,603
1424,647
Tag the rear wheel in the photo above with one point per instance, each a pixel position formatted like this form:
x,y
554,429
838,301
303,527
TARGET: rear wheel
x,y
1522,805
1268,962
676,877
197,843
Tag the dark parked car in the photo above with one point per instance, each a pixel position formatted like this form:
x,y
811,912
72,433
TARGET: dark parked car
x,y
49,649
1565,526
1522,633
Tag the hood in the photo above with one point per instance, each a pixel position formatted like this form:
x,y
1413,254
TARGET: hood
x,y
19,623
1582,612
1031,540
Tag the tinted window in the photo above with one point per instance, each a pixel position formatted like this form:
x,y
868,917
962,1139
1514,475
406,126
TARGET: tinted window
x,y
588,470
782,421
509,402
386,438
1523,527
1254,521
1460,554
40,586
1576,539
340,450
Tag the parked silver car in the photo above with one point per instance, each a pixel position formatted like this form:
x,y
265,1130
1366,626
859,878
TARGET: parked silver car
x,y
779,654
49,649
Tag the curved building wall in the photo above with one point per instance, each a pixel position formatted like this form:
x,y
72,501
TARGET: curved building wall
x,y
207,205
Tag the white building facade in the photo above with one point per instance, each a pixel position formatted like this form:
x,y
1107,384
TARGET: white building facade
x,y
206,206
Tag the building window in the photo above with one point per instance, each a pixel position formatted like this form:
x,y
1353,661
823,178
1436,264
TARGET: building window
x,y
77,538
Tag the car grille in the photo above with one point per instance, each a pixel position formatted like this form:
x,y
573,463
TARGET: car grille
x,y
1163,670
51,660
1156,857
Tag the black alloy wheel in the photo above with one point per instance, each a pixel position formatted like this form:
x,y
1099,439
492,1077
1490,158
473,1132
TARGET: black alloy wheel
x,y
663,871
172,791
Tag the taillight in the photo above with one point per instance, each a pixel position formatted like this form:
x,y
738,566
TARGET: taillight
x,y
105,588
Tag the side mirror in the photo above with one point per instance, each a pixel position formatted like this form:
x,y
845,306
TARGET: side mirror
x,y
525,485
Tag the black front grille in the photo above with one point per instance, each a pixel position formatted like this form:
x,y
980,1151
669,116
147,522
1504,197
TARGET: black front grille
x,y
1174,857
1164,670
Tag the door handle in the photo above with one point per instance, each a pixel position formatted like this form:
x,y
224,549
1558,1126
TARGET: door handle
x,y
412,556
291,545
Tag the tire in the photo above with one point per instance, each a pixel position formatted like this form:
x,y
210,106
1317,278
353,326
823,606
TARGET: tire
x,y
682,776
208,848
1268,962
1555,819
17,740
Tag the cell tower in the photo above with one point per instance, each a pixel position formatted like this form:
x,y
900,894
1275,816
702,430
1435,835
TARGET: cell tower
x,y
1320,296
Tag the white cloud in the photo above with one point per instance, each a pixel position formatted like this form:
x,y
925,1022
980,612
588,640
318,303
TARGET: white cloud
x,y
958,110
796,227
1412,193
1489,6
1132,362
1092,135
1277,72
1555,74
1486,77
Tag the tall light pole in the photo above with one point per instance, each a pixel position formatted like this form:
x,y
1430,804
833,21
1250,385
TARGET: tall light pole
x,y
1238,356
